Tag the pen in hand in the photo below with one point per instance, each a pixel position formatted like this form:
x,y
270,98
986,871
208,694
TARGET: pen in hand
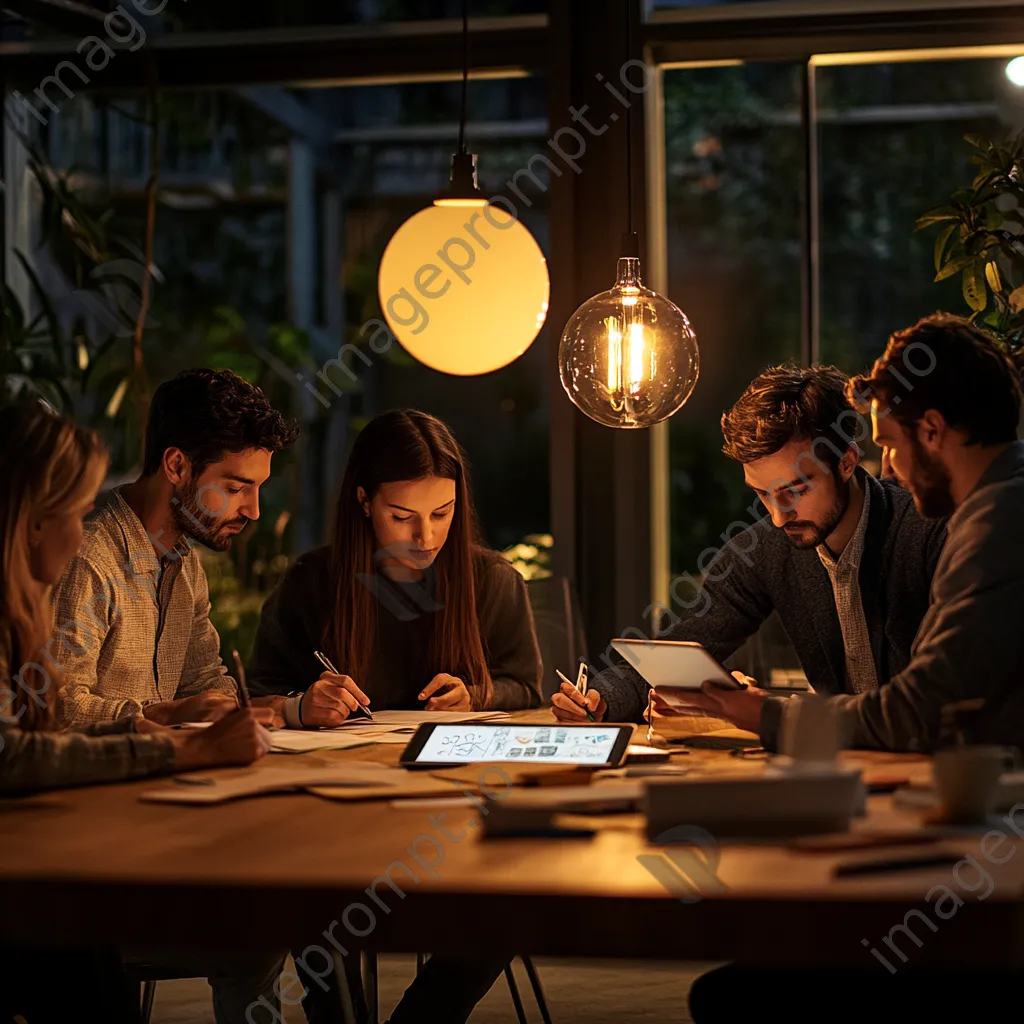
x,y
576,686
240,685
329,665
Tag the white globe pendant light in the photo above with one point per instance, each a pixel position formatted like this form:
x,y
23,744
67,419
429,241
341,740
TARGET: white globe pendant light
x,y
463,285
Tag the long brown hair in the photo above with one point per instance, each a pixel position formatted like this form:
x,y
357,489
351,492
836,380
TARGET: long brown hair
x,y
398,446
47,467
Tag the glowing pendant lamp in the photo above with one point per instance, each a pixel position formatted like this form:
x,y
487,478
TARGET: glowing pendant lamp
x,y
628,357
463,285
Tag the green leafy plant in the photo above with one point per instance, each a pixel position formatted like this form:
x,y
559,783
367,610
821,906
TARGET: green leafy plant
x,y
982,239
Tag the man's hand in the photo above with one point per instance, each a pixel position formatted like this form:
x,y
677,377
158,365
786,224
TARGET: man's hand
x,y
270,710
236,739
330,701
741,707
569,705
446,693
203,707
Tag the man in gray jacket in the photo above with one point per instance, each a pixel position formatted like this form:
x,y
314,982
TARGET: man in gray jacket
x,y
843,558
945,402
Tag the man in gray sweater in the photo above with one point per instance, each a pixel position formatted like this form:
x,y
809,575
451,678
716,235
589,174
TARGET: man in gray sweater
x,y
945,402
844,559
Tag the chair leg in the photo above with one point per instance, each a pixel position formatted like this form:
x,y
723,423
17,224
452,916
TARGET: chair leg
x,y
513,991
348,1012
538,991
421,959
148,996
368,963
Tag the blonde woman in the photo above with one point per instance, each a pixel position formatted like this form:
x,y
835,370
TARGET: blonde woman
x,y
50,472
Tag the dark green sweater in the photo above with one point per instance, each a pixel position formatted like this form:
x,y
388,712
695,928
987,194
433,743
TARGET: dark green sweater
x,y
294,616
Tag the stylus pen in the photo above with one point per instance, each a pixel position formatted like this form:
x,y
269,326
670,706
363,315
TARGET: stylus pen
x,y
326,662
565,679
243,690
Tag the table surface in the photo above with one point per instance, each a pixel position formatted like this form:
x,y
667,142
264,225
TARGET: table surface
x,y
98,864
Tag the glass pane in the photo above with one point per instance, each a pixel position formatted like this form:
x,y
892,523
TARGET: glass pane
x,y
892,147
267,248
239,15
733,170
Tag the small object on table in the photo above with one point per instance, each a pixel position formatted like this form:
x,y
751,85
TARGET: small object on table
x,y
240,686
638,754
892,864
190,780
327,664
849,841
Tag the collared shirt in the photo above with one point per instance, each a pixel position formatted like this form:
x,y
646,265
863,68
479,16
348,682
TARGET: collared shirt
x,y
132,627
844,572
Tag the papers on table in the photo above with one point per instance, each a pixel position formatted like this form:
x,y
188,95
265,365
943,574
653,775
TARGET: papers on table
x,y
387,727
304,741
412,719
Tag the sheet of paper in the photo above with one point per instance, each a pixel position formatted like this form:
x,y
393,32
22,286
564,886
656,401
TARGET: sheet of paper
x,y
411,719
301,741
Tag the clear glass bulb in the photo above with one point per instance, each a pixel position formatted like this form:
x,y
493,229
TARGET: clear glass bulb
x,y
628,357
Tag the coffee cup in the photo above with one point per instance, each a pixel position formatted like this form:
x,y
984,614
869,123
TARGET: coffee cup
x,y
967,778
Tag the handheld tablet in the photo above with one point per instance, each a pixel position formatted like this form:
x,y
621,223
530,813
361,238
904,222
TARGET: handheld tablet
x,y
674,664
595,746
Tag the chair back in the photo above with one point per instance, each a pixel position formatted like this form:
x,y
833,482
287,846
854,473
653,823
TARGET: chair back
x,y
558,620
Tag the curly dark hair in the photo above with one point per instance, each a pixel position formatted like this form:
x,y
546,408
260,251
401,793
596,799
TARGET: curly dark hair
x,y
789,403
946,363
206,413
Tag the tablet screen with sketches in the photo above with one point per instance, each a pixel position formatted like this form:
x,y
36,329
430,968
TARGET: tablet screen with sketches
x,y
674,664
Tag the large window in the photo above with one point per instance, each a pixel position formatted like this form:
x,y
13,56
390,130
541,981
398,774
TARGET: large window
x,y
733,189
891,147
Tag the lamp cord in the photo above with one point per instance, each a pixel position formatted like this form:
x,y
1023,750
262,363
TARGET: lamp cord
x,y
629,115
465,75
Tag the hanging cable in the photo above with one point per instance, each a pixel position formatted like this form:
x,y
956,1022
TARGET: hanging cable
x,y
465,75
629,115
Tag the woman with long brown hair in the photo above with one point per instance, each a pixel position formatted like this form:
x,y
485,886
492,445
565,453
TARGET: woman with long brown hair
x,y
407,604
415,614
50,473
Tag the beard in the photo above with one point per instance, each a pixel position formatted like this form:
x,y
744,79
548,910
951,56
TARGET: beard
x,y
213,532
929,483
804,534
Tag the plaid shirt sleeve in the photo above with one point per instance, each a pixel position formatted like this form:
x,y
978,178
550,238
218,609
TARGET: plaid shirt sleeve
x,y
203,669
33,761
84,609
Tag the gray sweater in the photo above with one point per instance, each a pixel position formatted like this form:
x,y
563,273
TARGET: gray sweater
x,y
760,571
969,645
294,616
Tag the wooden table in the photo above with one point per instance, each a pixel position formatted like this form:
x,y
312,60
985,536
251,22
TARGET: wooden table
x,y
98,865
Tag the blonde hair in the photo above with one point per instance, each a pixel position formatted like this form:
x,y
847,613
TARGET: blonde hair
x,y
48,466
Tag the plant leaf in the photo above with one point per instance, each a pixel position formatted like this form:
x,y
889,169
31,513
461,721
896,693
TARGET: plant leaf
x,y
940,245
974,289
995,282
52,322
954,267
1017,300
117,398
936,216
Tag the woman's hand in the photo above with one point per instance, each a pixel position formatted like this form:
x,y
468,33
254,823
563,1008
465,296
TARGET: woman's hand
x,y
569,705
330,700
237,739
446,693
